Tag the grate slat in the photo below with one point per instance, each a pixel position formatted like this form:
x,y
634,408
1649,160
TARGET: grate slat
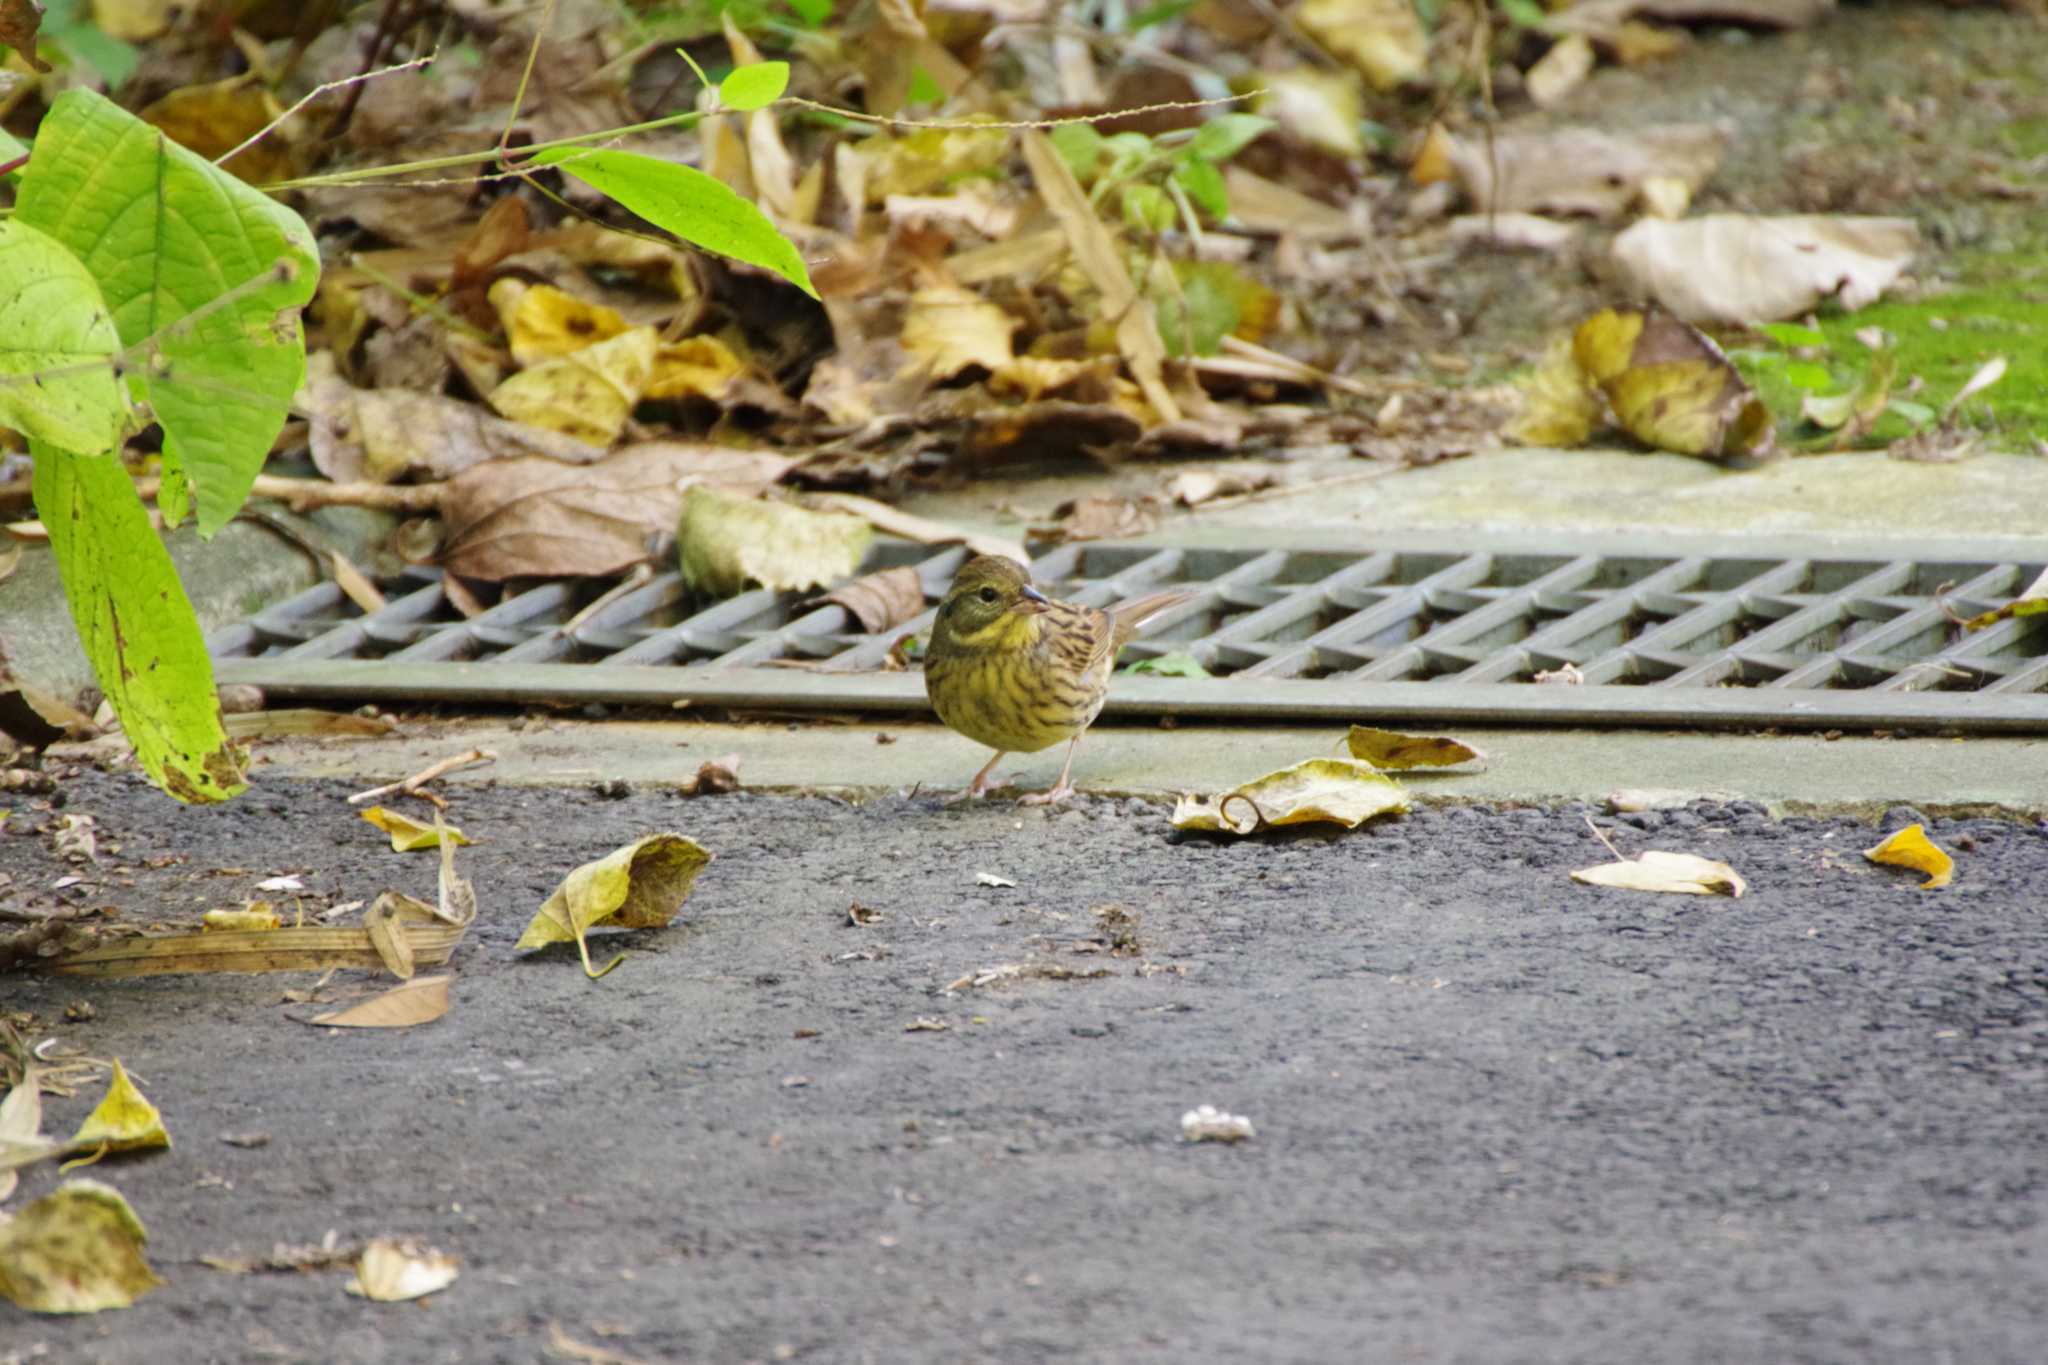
x,y
1443,631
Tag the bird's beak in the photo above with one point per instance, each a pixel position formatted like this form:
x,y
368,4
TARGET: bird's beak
x,y
1030,601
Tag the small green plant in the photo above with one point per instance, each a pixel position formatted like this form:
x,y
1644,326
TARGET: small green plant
x,y
141,285
1833,397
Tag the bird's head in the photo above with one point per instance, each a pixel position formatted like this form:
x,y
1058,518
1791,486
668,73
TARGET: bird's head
x,y
991,604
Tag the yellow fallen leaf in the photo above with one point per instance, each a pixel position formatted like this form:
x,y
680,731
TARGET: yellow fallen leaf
x,y
1910,847
122,1122
420,1001
251,919
78,1249
2026,606
587,394
409,835
639,886
545,323
391,1271
947,329
695,367
216,118
1669,386
21,1130
1390,749
1654,870
1383,39
1343,791
1560,406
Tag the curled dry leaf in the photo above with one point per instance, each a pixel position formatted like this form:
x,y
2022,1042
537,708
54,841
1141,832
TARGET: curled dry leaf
x,y
258,917
1910,847
1654,870
1731,267
419,1001
881,600
727,542
715,777
1668,385
1207,1123
392,1271
1341,791
639,886
303,949
123,1121
542,322
1390,749
540,517
78,1249
948,329
21,1130
409,835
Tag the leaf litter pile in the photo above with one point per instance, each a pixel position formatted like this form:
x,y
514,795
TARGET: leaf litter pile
x,y
938,245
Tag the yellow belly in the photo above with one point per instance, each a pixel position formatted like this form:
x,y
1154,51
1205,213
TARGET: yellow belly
x,y
993,701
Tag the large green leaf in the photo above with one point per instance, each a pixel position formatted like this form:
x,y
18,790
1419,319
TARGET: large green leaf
x,y
204,277
57,346
694,206
136,623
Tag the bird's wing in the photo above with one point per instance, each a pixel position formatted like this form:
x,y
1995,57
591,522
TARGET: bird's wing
x,y
1129,616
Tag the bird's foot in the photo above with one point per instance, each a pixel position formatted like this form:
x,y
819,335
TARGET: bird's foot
x,y
1051,796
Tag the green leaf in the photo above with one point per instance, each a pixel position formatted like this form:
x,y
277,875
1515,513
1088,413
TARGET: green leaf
x,y
136,624
57,346
78,40
1206,304
1525,14
755,86
1791,334
1806,374
1203,184
1918,414
812,13
923,89
694,206
1147,208
1128,152
1176,665
1159,14
1081,147
1224,136
204,277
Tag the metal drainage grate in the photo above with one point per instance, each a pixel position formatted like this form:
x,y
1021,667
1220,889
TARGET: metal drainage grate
x,y
1442,632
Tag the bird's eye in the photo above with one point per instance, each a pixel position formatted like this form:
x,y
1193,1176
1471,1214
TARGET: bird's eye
x,y
988,595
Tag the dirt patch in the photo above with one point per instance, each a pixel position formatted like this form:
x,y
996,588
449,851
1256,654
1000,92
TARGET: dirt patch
x,y
1491,1105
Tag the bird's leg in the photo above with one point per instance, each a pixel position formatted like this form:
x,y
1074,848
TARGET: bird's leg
x,y
979,786
1060,790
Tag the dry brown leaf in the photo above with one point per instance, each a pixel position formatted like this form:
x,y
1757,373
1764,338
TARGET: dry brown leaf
x,y
1137,332
1654,870
1323,108
215,119
381,435
881,600
1584,170
1383,39
419,1001
1603,19
587,394
1731,267
521,517
1668,385
1101,516
302,949
948,329
1560,71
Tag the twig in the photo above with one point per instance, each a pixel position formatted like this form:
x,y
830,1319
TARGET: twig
x,y
315,94
1601,835
411,785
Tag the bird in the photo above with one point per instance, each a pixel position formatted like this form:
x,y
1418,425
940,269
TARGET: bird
x,y
1011,668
